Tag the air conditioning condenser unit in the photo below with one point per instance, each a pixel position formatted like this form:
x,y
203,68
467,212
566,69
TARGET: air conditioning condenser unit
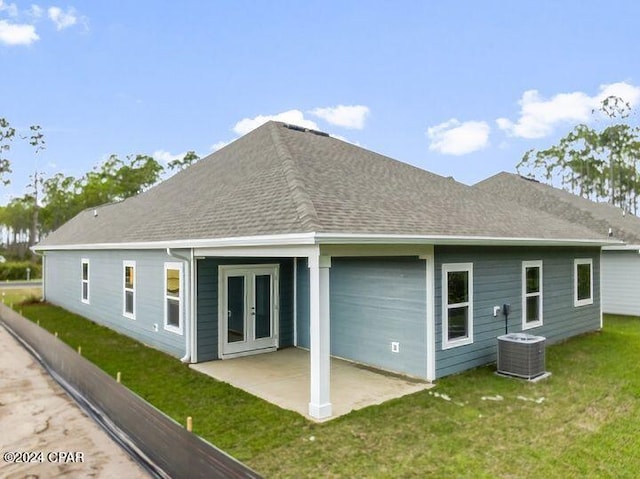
x,y
521,355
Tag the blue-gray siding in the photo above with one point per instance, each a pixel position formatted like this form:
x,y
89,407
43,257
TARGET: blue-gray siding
x,y
207,302
302,304
497,275
63,287
375,301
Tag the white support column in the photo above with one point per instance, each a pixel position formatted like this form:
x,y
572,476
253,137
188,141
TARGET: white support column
x,y
320,396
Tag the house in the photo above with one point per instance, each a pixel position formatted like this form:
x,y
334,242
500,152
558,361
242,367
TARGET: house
x,y
620,263
289,237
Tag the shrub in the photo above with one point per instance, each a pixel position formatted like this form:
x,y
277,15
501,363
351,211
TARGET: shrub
x,y
17,270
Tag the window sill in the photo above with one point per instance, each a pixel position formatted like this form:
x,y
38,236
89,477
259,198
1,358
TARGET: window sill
x,y
583,302
531,325
456,343
173,329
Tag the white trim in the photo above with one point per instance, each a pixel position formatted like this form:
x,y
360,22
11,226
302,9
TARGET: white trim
x,y
626,247
295,301
334,238
180,298
582,302
194,308
319,337
452,268
600,289
431,314
83,281
129,264
525,295
253,345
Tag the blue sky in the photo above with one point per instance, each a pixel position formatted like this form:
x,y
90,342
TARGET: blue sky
x,y
462,89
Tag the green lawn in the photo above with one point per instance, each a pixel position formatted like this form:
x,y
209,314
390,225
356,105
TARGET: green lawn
x,y
584,421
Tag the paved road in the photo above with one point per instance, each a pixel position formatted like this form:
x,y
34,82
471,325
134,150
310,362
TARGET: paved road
x,y
51,434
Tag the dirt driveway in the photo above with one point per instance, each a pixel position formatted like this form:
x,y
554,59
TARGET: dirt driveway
x,y
43,433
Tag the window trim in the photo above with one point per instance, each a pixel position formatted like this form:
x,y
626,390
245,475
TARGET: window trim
x,y
83,281
454,268
525,295
180,299
125,265
582,302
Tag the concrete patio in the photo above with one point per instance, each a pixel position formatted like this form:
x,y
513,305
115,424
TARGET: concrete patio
x,y
282,378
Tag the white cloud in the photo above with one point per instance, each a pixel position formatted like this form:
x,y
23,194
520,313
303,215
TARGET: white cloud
x,y
295,117
17,34
455,138
352,116
539,116
36,11
165,157
10,8
61,18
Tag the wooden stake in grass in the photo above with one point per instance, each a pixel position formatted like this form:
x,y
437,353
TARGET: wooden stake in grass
x,y
38,322
118,377
80,350
189,424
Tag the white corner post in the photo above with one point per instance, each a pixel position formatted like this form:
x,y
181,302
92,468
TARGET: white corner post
x,y
320,339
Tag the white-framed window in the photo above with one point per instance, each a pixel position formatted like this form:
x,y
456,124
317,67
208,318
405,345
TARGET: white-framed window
x,y
531,294
173,297
129,289
582,281
457,304
84,295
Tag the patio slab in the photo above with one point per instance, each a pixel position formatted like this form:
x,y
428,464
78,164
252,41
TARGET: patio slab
x,y
282,378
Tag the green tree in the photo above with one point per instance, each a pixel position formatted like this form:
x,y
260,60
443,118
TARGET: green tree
x,y
61,201
112,180
188,159
596,164
7,132
36,140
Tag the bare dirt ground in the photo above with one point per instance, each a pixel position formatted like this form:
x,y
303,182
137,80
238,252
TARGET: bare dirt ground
x,y
43,428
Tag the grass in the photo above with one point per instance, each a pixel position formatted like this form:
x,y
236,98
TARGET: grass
x,y
584,421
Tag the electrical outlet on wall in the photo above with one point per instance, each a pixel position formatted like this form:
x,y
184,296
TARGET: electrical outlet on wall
x,y
395,347
155,327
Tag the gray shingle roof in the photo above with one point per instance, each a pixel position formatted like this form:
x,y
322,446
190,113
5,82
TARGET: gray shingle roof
x,y
598,217
279,180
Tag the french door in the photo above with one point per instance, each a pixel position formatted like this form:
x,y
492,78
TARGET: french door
x,y
248,309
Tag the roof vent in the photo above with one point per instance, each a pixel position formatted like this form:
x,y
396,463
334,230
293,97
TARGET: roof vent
x,y
528,178
304,130
294,127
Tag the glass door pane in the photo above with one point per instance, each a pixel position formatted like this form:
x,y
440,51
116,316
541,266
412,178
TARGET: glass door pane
x,y
262,306
235,309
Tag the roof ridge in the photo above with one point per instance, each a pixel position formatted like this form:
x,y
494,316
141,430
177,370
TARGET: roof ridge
x,y
304,205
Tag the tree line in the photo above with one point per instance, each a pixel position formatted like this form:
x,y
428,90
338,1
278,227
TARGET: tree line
x,y
52,200
599,164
